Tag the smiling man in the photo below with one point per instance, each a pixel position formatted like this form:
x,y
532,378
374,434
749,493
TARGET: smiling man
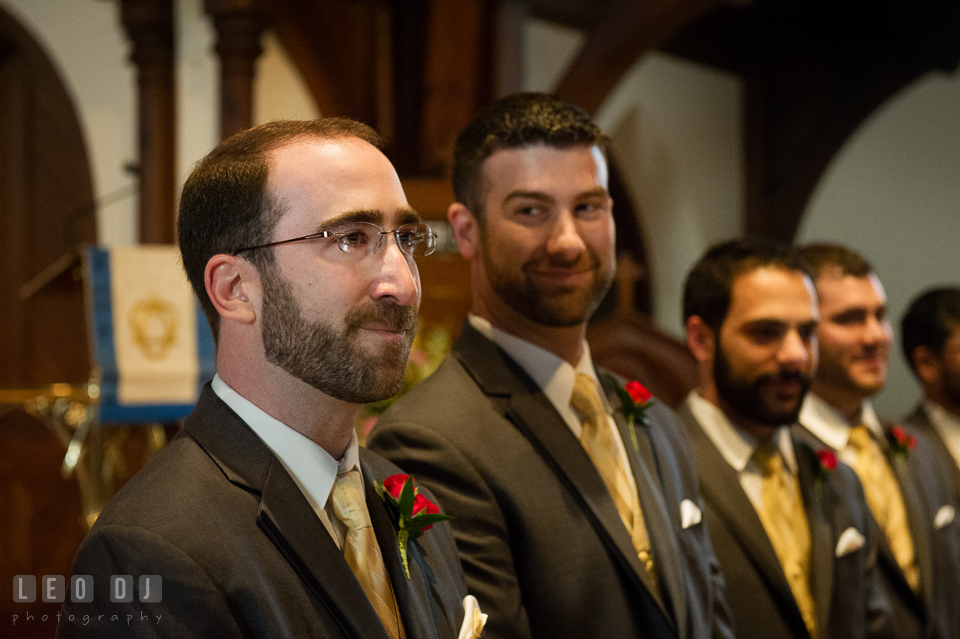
x,y
793,536
261,517
565,526
907,487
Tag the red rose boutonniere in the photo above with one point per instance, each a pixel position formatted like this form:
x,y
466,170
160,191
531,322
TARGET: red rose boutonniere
x,y
635,399
412,513
824,464
901,443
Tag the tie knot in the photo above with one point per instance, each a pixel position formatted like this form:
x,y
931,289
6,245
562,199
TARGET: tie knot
x,y
768,459
860,438
586,399
346,500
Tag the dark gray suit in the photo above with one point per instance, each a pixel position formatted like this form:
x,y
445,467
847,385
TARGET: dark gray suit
x,y
920,421
926,488
539,535
848,598
241,552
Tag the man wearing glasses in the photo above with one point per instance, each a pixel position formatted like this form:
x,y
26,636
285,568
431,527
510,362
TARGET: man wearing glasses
x,y
261,517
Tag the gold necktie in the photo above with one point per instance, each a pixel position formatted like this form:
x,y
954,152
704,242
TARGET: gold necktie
x,y
885,500
785,521
597,440
361,551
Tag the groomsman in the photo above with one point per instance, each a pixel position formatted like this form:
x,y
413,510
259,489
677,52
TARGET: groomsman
x,y
905,481
569,522
930,334
789,525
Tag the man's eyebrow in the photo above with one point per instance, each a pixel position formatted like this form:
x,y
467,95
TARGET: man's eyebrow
x,y
405,215
372,216
530,195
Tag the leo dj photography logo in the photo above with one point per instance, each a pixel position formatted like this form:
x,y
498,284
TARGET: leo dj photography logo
x,y
53,589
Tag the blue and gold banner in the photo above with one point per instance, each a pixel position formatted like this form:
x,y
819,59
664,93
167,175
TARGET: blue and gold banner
x,y
150,341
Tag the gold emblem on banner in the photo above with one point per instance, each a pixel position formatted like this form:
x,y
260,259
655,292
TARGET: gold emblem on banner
x,y
154,323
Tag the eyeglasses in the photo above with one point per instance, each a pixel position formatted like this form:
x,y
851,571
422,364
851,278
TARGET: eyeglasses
x,y
360,239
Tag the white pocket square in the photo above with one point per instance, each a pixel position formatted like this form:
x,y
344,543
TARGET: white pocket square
x,y
945,517
690,515
850,540
473,619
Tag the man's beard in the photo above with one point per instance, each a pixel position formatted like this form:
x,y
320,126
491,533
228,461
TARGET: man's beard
x,y
329,358
950,384
561,309
746,396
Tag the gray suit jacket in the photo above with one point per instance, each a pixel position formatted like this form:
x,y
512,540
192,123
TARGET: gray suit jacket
x,y
926,487
241,552
539,535
919,421
848,597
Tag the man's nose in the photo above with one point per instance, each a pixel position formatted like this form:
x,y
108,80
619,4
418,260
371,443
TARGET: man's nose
x,y
398,278
566,238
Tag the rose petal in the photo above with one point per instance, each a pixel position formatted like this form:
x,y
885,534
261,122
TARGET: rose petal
x,y
638,392
394,484
827,459
422,505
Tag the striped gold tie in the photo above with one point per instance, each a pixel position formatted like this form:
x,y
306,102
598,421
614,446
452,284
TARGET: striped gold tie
x,y
361,551
885,500
785,520
597,440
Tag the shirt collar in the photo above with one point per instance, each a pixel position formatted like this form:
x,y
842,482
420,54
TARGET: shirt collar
x,y
735,445
553,374
830,427
940,417
312,468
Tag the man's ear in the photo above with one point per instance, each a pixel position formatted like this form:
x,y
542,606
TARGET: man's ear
x,y
700,339
229,281
466,230
927,365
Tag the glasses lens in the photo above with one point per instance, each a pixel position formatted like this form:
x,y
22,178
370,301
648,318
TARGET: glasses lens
x,y
415,239
358,238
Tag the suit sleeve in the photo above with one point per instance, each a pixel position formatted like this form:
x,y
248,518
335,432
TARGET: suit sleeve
x,y
480,529
189,606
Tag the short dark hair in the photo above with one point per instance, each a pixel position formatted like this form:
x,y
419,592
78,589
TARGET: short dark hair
x,y
930,320
823,256
708,289
224,204
517,121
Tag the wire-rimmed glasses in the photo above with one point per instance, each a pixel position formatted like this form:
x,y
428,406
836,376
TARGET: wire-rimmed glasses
x,y
361,239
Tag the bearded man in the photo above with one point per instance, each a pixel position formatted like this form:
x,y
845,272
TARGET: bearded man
x,y
567,525
262,517
794,538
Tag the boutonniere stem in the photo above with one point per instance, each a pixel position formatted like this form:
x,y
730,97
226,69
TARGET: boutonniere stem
x,y
635,399
412,514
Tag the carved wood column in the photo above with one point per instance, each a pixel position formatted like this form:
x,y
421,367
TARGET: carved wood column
x,y
239,25
149,25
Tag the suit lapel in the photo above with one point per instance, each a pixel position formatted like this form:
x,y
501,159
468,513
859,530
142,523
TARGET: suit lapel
x,y
917,524
531,412
412,595
921,421
721,488
657,512
818,502
285,516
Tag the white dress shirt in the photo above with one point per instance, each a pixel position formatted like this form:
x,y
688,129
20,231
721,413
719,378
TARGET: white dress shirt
x,y
312,468
737,446
947,426
830,427
555,377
